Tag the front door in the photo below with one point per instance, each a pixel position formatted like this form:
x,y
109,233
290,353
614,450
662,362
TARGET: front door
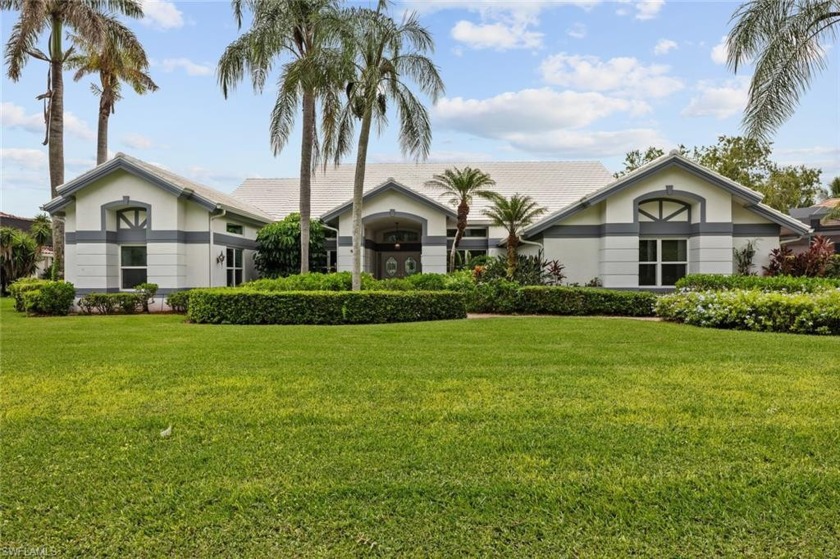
x,y
398,264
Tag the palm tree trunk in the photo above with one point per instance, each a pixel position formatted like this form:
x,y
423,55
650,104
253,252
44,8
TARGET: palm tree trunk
x,y
512,242
56,137
308,137
102,130
463,212
358,192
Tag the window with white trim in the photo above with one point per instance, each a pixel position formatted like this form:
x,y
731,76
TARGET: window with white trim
x,y
662,261
133,270
233,262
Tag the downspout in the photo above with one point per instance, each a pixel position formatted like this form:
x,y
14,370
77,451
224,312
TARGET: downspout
x,y
210,218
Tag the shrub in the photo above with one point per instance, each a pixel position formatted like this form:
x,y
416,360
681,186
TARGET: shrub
x,y
110,303
585,301
811,263
495,296
833,268
179,301
803,313
244,306
278,247
146,293
339,281
717,282
49,298
427,282
21,286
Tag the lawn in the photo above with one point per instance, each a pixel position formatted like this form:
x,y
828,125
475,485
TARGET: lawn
x,y
579,437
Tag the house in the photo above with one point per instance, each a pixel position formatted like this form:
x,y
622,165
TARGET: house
x,y
128,221
816,217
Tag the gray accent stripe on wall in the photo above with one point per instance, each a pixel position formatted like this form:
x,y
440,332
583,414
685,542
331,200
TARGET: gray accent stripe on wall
x,y
661,228
470,244
135,236
435,241
756,230
345,241
234,242
329,244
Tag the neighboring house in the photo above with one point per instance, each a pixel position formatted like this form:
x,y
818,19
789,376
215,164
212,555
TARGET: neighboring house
x,y
25,224
128,220
816,217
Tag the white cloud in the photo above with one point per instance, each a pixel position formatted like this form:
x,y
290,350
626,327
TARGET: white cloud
x,y
623,75
498,36
664,46
648,9
718,100
14,116
577,31
586,144
190,67
162,14
720,52
137,141
31,159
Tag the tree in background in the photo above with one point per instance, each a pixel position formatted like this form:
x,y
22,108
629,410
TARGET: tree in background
x,y
834,188
301,33
514,214
460,185
278,247
115,61
747,162
385,56
91,19
786,41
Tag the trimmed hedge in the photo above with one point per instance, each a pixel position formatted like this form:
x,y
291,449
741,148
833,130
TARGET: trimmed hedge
x,y
43,297
582,301
110,303
247,306
801,313
718,282
179,301
339,281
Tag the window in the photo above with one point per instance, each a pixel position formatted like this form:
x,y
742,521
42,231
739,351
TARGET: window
x,y
401,236
233,262
469,232
133,270
132,218
234,228
662,261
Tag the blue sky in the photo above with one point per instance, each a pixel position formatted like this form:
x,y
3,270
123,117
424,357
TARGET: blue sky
x,y
535,80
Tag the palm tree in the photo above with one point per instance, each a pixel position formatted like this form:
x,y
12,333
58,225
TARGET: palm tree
x,y
298,31
91,19
461,185
18,256
786,40
115,62
514,214
384,54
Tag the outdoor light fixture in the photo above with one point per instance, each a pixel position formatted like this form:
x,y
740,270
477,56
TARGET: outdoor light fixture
x,y
396,235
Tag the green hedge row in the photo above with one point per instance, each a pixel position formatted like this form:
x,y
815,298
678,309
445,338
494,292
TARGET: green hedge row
x,y
43,297
802,313
246,306
342,281
179,301
110,303
717,282
581,301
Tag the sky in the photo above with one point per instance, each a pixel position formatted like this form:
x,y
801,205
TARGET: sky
x,y
534,80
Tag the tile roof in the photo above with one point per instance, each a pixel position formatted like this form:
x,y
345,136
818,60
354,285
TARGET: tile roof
x,y
553,184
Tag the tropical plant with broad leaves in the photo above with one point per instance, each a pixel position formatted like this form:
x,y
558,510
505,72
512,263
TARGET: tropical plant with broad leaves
x,y
384,57
786,40
19,253
115,61
513,214
91,19
460,186
300,34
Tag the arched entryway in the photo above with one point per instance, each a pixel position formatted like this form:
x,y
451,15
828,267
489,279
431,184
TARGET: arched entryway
x,y
394,245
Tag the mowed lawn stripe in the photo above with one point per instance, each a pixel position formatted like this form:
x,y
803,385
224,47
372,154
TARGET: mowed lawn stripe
x,y
501,436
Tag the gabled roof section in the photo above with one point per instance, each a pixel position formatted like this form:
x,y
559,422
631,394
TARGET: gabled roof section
x,y
176,185
388,186
751,198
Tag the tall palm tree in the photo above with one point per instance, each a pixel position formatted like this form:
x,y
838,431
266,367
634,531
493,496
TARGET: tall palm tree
x,y
787,40
461,185
115,62
91,19
514,214
384,55
299,33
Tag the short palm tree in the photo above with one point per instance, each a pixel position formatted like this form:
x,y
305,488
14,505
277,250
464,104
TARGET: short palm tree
x,y
786,39
114,61
385,56
514,214
90,19
460,185
299,33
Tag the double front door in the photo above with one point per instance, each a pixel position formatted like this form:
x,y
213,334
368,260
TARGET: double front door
x,y
398,264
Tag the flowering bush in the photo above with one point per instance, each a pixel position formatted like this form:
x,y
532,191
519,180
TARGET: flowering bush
x,y
801,313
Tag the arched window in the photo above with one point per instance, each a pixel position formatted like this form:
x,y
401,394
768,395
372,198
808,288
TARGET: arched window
x,y
664,210
132,219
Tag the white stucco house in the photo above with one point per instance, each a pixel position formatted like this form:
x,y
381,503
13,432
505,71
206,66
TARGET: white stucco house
x,y
127,220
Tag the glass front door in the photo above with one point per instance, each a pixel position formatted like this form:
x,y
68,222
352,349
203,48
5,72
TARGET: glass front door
x,y
398,264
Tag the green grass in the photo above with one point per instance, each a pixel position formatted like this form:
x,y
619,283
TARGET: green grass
x,y
578,437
